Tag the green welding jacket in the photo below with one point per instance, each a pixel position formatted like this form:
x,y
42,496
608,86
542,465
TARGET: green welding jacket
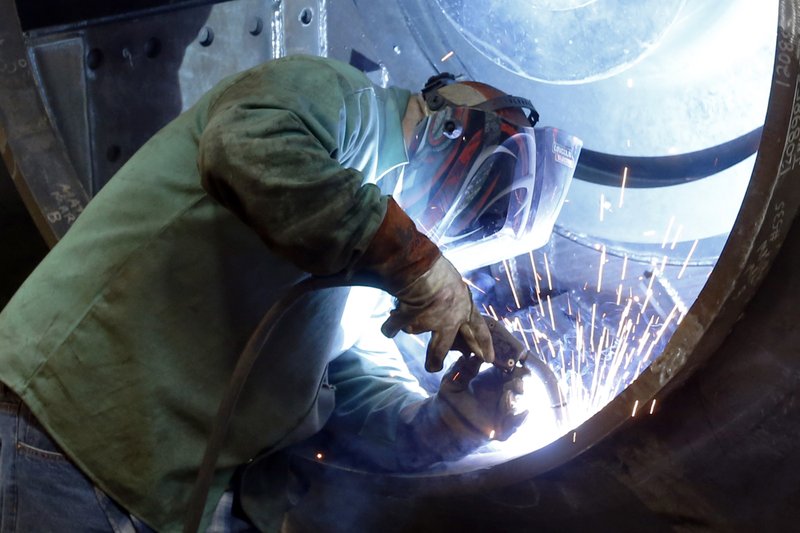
x,y
122,341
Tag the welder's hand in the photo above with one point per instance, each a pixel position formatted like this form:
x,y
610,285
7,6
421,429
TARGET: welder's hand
x,y
440,302
470,409
430,292
482,401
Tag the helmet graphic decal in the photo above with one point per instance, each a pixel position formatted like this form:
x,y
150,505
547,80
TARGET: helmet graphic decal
x,y
475,185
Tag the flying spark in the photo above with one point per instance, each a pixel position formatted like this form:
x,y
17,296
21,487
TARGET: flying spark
x,y
622,187
688,257
535,274
547,269
469,283
669,229
676,237
600,269
649,292
511,283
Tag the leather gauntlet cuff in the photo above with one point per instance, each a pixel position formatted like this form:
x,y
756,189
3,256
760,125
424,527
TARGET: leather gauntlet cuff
x,y
398,254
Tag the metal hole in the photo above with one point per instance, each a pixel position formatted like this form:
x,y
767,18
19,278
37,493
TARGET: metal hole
x,y
94,58
206,36
306,16
113,153
152,47
255,26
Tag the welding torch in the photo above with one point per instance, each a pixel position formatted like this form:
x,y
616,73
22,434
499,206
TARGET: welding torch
x,y
510,352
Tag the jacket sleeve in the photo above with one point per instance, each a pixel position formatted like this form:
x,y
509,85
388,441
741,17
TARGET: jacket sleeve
x,y
373,386
269,154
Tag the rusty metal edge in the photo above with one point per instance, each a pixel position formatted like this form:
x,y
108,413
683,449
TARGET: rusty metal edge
x,y
30,146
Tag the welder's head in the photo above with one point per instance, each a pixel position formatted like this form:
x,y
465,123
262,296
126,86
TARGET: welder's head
x,y
440,93
472,182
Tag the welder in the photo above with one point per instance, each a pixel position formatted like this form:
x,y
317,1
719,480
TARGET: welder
x,y
115,352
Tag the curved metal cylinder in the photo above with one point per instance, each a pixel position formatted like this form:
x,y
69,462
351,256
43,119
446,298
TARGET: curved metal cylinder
x,y
770,206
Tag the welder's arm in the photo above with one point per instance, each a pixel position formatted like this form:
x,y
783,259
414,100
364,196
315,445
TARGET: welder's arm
x,y
373,385
268,167
274,169
431,293
387,421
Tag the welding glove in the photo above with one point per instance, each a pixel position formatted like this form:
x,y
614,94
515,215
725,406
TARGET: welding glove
x,y
431,295
470,409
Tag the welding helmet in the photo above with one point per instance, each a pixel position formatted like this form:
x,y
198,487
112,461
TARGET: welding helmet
x,y
478,183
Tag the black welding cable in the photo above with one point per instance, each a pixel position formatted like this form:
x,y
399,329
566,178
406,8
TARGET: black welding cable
x,y
248,357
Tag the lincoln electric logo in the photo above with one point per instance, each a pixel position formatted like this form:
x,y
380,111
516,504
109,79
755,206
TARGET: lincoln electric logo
x,y
563,155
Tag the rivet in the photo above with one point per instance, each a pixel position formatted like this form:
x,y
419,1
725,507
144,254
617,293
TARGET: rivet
x,y
152,47
206,36
256,26
306,16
